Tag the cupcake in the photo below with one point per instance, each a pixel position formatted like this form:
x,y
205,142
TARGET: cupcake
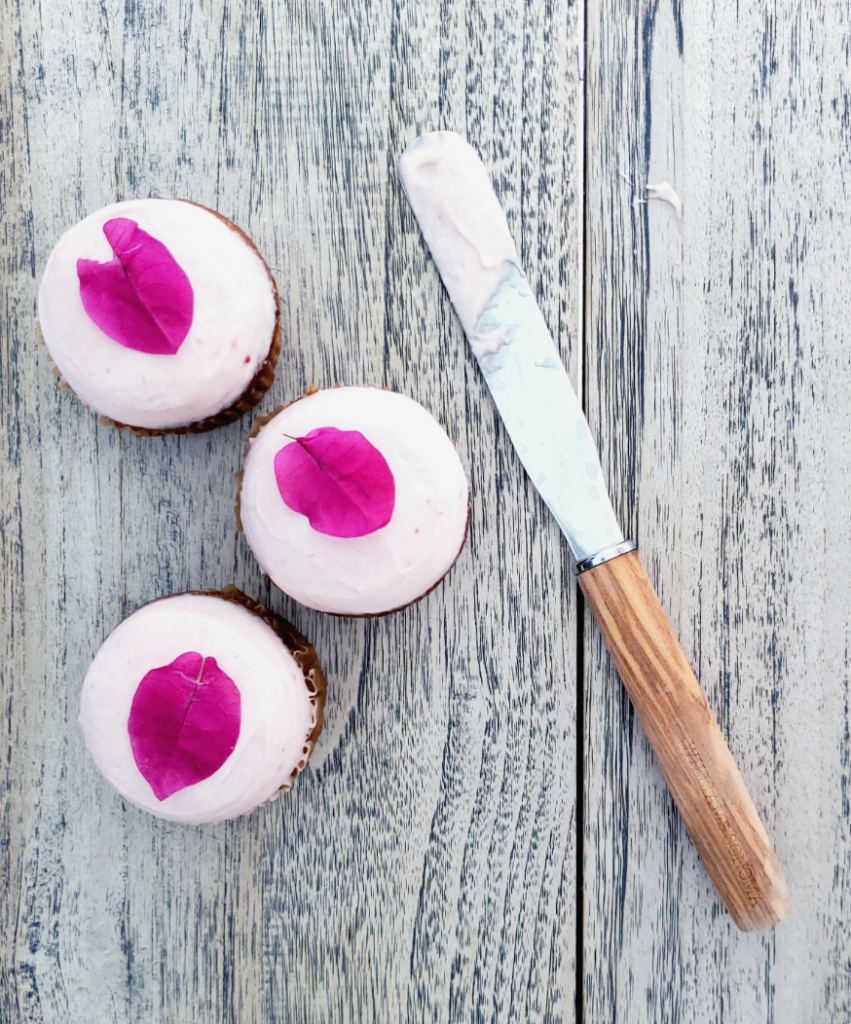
x,y
202,706
161,315
353,500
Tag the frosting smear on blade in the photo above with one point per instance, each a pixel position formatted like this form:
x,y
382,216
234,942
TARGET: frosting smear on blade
x,y
465,227
141,298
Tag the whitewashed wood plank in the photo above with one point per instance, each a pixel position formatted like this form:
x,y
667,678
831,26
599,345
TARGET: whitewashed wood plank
x,y
722,414
449,922
423,868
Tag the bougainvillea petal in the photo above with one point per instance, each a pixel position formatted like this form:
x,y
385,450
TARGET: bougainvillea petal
x,y
339,480
184,723
141,298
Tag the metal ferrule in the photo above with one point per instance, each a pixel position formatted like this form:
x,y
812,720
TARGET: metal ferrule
x,y
606,555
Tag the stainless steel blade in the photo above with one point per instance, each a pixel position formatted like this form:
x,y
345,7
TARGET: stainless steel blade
x,y
466,230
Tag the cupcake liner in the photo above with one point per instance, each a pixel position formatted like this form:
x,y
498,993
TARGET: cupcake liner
x,y
257,388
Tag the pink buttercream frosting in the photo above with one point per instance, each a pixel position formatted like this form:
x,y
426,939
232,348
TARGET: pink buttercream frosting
x,y
206,369
388,567
266,739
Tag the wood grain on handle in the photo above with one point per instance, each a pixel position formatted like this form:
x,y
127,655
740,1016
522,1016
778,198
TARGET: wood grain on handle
x,y
695,759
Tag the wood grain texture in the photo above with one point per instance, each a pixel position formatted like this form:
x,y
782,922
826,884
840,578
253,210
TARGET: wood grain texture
x,y
690,749
423,867
718,378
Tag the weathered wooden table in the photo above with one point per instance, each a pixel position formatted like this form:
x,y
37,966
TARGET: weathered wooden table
x,y
483,834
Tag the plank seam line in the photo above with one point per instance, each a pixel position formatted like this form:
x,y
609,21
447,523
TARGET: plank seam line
x,y
584,310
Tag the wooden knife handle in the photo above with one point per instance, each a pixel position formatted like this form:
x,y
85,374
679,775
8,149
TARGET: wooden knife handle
x,y
695,759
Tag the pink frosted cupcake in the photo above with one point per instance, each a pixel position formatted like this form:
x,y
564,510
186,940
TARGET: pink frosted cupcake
x,y
161,315
353,500
202,706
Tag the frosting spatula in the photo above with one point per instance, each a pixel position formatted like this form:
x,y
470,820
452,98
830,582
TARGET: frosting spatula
x,y
465,228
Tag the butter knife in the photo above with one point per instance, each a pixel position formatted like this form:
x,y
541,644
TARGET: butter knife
x,y
465,228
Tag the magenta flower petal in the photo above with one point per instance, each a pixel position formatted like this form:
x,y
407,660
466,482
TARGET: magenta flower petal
x,y
141,298
184,723
339,480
